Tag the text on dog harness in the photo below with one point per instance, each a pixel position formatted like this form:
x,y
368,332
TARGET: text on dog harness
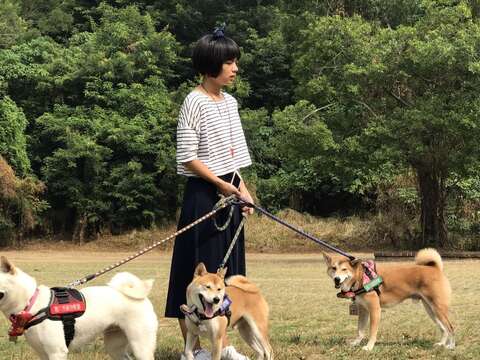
x,y
65,305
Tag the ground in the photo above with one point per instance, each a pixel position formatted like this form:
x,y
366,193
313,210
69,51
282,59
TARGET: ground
x,y
307,321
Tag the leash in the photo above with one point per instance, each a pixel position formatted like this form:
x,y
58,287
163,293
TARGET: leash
x,y
299,231
234,240
222,203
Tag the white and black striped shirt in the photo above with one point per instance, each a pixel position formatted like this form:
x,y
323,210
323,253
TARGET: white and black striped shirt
x,y
208,130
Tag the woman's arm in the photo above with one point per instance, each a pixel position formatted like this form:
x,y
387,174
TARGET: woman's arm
x,y
200,169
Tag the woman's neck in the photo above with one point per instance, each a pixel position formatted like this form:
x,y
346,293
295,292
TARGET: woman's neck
x,y
212,89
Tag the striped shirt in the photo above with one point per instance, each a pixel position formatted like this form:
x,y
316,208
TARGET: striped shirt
x,y
211,132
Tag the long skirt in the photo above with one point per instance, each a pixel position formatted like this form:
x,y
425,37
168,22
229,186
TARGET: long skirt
x,y
202,243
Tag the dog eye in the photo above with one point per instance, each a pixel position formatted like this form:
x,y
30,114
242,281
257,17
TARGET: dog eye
x,y
208,287
334,268
219,289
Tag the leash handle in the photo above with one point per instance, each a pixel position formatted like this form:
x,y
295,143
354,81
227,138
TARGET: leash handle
x,y
291,227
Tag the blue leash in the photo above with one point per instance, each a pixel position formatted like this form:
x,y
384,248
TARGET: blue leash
x,y
299,231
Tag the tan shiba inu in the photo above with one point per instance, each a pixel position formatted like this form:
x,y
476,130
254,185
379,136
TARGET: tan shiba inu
x,y
121,312
423,281
248,312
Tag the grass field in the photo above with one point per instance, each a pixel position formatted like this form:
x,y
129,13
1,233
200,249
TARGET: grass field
x,y
307,321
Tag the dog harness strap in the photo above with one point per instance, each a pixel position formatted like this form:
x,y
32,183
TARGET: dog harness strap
x,y
371,281
223,311
66,305
68,328
23,320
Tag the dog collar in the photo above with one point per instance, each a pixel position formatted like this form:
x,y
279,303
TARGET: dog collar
x,y
196,317
370,281
20,321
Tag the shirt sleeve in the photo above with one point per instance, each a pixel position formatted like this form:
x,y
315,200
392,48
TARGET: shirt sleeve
x,y
188,132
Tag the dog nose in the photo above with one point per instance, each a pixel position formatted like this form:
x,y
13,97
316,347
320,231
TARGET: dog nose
x,y
216,299
337,280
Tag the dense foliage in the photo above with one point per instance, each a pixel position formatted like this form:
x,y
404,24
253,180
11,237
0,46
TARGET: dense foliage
x,y
349,107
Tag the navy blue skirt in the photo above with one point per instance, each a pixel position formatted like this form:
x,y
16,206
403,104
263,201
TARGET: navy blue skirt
x,y
202,243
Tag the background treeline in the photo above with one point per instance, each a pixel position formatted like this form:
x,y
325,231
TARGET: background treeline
x,y
365,107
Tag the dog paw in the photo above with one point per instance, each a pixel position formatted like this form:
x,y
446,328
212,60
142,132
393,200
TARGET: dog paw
x,y
439,344
367,347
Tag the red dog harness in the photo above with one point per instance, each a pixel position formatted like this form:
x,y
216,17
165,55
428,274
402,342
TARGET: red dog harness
x,y
21,320
65,305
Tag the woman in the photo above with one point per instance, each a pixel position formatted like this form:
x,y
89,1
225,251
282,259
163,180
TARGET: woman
x,y
211,149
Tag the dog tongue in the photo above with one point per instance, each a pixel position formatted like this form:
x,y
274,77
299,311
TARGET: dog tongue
x,y
208,310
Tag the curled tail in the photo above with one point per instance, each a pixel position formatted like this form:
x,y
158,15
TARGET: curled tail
x,y
429,257
131,286
242,283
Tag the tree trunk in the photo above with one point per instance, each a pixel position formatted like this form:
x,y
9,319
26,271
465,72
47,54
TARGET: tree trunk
x,y
79,231
432,195
475,5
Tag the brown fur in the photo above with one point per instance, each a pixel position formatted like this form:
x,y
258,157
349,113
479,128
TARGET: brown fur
x,y
424,280
249,312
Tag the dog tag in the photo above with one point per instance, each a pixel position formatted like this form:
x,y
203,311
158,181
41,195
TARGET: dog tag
x,y
353,308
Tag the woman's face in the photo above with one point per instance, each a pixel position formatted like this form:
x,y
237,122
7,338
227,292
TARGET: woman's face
x,y
228,73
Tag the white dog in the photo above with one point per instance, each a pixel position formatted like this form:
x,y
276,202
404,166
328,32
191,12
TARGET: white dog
x,y
120,311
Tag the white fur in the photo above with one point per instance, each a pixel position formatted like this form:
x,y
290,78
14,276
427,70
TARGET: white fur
x,y
120,311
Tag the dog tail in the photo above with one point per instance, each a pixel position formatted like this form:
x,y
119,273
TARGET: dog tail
x,y
131,286
242,283
429,257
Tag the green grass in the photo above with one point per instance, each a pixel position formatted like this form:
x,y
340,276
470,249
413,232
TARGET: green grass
x,y
307,321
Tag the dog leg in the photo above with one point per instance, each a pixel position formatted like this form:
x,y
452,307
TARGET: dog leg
x,y
373,303
116,344
256,338
439,314
362,325
142,344
190,342
216,347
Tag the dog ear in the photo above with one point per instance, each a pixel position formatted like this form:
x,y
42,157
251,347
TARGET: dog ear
x,y
327,258
200,270
355,262
222,272
7,266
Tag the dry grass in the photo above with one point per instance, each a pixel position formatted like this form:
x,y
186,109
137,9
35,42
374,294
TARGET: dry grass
x,y
262,234
307,321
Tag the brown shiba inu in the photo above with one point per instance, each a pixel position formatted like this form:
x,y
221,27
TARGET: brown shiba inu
x,y
423,281
206,313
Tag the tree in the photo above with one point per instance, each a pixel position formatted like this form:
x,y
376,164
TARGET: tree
x,y
406,96
13,144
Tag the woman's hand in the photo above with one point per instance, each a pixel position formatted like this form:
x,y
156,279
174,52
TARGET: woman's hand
x,y
245,196
227,189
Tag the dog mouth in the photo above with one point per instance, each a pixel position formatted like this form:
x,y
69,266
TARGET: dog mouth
x,y
338,282
207,306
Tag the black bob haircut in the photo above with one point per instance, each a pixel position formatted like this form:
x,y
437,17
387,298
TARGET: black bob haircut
x,y
211,52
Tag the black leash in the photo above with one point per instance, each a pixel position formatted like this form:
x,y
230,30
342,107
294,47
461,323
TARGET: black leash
x,y
299,231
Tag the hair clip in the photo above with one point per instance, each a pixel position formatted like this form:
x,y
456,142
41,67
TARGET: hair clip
x,y
219,31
